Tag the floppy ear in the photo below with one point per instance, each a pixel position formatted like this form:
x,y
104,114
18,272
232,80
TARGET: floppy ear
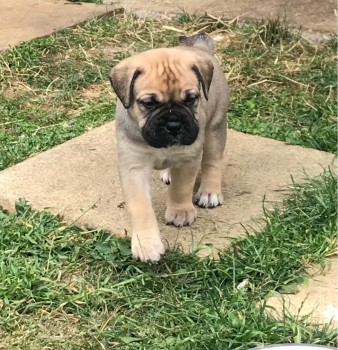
x,y
122,78
204,71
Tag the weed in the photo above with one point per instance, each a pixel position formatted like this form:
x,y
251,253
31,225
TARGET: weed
x,y
273,32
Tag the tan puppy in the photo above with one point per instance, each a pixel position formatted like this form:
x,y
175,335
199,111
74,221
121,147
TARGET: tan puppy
x,y
171,115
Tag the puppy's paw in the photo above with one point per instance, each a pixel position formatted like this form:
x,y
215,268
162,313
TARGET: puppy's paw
x,y
147,249
165,176
180,216
208,199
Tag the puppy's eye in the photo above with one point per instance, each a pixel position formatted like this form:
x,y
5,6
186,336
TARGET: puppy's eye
x,y
190,100
148,104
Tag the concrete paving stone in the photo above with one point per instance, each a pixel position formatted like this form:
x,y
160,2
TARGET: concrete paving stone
x,y
23,20
317,298
79,179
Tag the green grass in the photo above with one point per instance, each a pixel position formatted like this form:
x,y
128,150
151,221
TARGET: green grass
x,y
43,129
66,288
282,86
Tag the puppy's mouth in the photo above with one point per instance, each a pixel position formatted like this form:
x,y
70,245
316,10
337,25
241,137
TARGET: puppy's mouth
x,y
170,125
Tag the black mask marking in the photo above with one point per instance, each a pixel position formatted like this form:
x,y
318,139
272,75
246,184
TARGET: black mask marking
x,y
170,125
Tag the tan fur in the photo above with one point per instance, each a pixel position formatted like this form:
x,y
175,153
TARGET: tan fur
x,y
168,74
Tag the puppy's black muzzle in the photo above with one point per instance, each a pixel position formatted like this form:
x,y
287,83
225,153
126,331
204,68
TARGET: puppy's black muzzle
x,y
170,125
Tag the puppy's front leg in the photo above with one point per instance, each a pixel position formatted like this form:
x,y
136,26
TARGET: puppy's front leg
x,y
146,243
180,209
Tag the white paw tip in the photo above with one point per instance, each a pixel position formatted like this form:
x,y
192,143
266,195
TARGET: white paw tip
x,y
148,252
165,176
215,200
208,200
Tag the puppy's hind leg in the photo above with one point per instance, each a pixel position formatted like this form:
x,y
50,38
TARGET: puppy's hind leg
x,y
180,208
209,194
165,176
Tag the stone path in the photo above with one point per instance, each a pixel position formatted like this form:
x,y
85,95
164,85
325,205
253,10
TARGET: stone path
x,y
22,20
79,178
317,297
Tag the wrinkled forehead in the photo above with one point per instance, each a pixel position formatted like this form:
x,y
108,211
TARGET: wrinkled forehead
x,y
168,76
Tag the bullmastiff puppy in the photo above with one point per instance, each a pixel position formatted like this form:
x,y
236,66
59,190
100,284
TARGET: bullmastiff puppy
x,y
171,116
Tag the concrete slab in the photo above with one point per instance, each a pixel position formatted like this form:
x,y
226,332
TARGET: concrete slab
x,y
22,20
79,179
309,14
318,297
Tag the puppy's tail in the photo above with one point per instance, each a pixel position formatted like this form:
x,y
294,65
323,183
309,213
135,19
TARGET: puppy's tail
x,y
201,41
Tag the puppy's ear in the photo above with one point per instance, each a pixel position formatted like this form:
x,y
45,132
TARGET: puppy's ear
x,y
122,78
204,70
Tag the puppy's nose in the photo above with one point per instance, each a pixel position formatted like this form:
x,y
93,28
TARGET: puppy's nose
x,y
173,126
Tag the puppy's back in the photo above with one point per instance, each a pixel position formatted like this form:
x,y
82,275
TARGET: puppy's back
x,y
201,41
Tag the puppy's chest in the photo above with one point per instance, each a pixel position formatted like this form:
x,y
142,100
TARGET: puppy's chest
x,y
169,157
